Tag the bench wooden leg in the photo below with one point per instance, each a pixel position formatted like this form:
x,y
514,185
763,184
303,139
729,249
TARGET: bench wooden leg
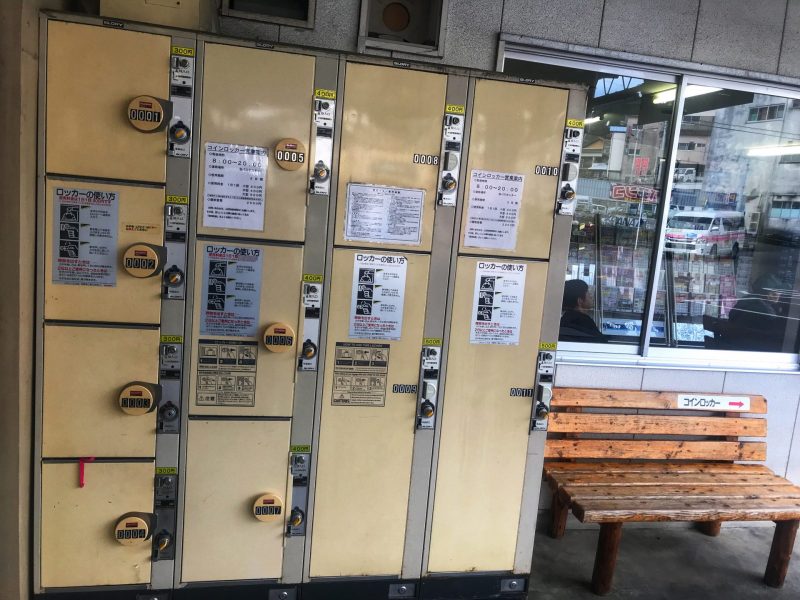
x,y
710,528
606,558
560,513
781,552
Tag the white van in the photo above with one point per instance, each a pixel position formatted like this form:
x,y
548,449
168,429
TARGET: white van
x,y
706,232
685,174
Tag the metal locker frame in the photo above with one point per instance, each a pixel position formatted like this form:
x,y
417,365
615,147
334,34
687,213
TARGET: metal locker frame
x,y
177,182
314,258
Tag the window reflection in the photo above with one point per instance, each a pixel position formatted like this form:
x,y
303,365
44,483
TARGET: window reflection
x,y
732,241
619,189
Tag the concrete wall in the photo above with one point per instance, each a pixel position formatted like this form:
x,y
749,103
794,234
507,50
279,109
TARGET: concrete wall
x,y
19,43
762,37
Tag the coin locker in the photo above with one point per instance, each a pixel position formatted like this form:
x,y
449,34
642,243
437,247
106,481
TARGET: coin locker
x,y
105,390
255,139
494,331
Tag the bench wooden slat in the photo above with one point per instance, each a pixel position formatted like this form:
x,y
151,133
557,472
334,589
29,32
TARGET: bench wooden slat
x,y
656,479
656,425
656,449
555,467
691,509
593,398
578,493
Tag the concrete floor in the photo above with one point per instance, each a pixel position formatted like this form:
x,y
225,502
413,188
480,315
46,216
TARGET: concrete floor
x,y
665,563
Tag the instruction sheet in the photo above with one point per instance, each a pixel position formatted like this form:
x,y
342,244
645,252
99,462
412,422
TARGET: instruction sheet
x,y
359,374
226,373
378,213
85,224
235,186
231,292
379,287
493,215
497,303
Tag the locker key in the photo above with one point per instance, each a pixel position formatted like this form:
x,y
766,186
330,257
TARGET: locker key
x,y
133,528
139,398
278,337
427,409
268,507
309,350
144,260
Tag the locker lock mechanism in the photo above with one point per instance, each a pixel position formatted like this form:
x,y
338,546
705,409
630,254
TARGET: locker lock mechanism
x,y
296,517
139,398
279,337
309,350
427,409
268,508
149,114
321,172
144,260
449,183
133,528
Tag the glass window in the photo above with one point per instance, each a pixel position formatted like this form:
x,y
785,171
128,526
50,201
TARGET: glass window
x,y
626,134
730,276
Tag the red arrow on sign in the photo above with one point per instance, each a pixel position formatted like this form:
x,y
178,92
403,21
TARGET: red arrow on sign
x,y
739,404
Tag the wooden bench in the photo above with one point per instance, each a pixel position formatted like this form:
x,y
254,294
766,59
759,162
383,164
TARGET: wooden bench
x,y
615,456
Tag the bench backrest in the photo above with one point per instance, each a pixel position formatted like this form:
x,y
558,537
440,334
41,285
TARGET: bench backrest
x,y
633,425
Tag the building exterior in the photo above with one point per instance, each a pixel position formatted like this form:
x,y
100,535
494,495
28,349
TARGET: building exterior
x,y
655,306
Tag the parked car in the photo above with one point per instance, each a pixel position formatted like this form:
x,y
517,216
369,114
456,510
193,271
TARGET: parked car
x,y
685,175
706,232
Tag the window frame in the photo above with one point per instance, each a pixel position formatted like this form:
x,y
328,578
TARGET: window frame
x,y
646,354
227,11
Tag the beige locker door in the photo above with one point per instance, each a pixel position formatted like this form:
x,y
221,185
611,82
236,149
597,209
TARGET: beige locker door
x,y
139,219
484,434
389,116
258,98
211,391
364,464
229,465
92,75
517,141
78,545
85,368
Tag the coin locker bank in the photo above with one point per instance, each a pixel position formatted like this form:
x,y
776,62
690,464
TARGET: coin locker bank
x,y
295,319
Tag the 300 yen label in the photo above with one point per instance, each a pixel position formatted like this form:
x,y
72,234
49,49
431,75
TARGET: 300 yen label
x,y
545,170
426,159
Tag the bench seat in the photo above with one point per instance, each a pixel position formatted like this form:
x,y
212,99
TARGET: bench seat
x,y
662,463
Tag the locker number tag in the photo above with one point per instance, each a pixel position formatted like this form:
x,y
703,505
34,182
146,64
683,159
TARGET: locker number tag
x,y
279,337
143,260
290,154
132,529
147,114
137,399
268,508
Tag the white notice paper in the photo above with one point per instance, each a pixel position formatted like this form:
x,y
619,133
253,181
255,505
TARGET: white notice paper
x,y
377,213
379,287
235,184
497,303
493,215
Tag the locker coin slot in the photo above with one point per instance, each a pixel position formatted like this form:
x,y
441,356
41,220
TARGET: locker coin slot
x,y
149,114
143,260
139,398
133,528
268,508
279,337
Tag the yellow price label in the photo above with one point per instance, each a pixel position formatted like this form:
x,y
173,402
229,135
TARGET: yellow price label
x,y
547,345
431,341
455,109
177,199
575,123
182,51
302,449
325,94
171,339
166,470
312,278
